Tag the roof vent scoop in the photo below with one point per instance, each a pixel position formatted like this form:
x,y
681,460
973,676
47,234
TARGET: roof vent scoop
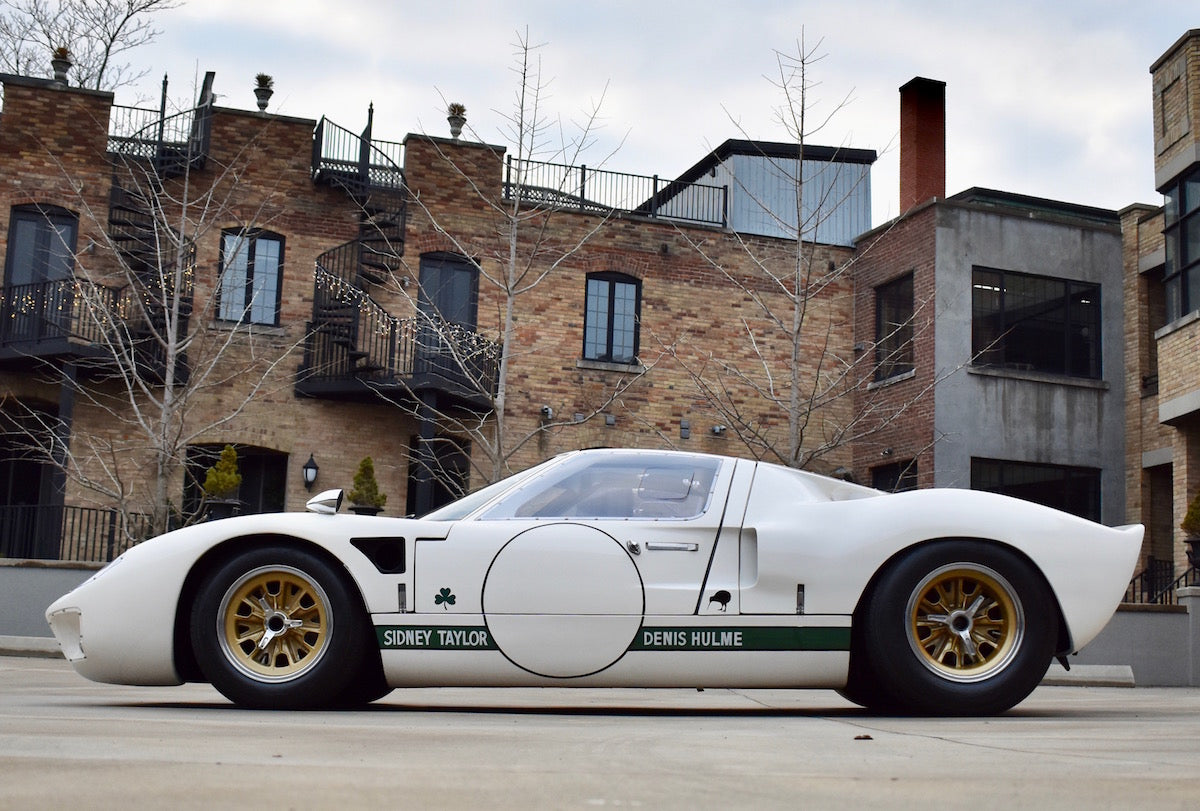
x,y
326,503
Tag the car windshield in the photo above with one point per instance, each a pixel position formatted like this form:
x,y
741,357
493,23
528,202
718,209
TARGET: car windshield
x,y
457,510
615,485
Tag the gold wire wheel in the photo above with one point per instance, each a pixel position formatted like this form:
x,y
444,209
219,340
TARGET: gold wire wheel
x,y
965,622
274,623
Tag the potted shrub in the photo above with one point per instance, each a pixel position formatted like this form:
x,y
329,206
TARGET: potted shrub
x,y
264,87
456,116
365,497
1191,525
221,484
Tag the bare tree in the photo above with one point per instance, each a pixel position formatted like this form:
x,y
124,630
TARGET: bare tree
x,y
155,365
96,33
526,244
790,389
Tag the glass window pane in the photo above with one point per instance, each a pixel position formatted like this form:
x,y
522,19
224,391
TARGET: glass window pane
x,y
1191,290
22,246
236,257
893,328
1083,331
624,322
1190,241
265,281
595,337
1191,193
1172,289
987,319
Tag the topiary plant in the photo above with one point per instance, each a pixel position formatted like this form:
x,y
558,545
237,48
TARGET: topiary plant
x,y
1191,521
366,489
223,478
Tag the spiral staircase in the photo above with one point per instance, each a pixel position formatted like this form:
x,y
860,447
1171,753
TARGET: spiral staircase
x,y
356,349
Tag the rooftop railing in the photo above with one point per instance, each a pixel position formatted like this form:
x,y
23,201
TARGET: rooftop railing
x,y
600,191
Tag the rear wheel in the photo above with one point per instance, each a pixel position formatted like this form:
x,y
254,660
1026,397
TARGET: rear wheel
x,y
277,628
955,628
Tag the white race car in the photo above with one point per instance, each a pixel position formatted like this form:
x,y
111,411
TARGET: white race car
x,y
614,568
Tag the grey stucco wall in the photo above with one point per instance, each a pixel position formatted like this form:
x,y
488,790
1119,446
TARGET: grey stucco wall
x,y
27,587
1016,416
1152,640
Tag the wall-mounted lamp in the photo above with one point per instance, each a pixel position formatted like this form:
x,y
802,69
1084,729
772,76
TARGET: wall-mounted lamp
x,y
717,430
547,413
309,471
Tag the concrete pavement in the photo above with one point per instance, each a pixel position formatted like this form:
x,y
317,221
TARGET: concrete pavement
x,y
66,741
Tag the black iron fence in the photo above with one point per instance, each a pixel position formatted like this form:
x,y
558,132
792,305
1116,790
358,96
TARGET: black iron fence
x,y
1157,583
600,191
338,151
51,311
55,532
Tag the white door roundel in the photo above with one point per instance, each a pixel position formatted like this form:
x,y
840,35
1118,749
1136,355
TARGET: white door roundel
x,y
563,600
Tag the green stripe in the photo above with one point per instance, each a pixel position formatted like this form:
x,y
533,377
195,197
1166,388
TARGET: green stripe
x,y
692,638
649,638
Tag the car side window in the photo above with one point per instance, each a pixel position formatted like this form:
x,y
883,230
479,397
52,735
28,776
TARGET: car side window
x,y
635,487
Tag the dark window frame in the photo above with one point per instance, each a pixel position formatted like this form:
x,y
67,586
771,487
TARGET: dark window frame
x,y
249,237
1013,340
592,349
45,216
1013,478
896,477
1181,239
894,310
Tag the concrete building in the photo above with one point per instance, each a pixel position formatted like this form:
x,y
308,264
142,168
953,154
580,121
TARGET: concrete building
x,y
1007,310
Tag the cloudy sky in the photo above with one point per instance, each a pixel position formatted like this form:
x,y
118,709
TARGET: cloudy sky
x,y
1047,99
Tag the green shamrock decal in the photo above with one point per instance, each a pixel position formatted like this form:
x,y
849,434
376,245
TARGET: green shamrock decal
x,y
444,598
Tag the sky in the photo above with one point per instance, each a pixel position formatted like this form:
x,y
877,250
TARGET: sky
x,y
1050,99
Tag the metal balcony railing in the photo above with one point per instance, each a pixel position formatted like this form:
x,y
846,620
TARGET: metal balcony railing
x,y
69,309
357,160
353,339
55,532
599,191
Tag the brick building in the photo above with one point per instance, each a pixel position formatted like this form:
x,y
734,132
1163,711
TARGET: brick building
x,y
176,283
1162,301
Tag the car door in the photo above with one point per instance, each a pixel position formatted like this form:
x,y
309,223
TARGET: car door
x,y
585,552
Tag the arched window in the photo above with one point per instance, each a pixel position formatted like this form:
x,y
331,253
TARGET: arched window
x,y
611,318
251,276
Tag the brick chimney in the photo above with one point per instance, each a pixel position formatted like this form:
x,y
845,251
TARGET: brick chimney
x,y
922,142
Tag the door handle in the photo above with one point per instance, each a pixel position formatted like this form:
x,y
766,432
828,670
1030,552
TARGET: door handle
x,y
672,546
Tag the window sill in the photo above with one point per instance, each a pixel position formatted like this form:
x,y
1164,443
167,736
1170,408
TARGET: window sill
x,y
1039,377
605,366
1177,324
891,381
242,326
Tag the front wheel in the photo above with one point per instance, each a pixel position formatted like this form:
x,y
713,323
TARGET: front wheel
x,y
277,628
957,628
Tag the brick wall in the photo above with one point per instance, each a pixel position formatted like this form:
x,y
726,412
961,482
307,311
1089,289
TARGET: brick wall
x,y
899,425
703,293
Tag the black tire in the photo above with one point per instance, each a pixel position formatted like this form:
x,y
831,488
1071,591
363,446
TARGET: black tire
x,y
954,628
316,631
